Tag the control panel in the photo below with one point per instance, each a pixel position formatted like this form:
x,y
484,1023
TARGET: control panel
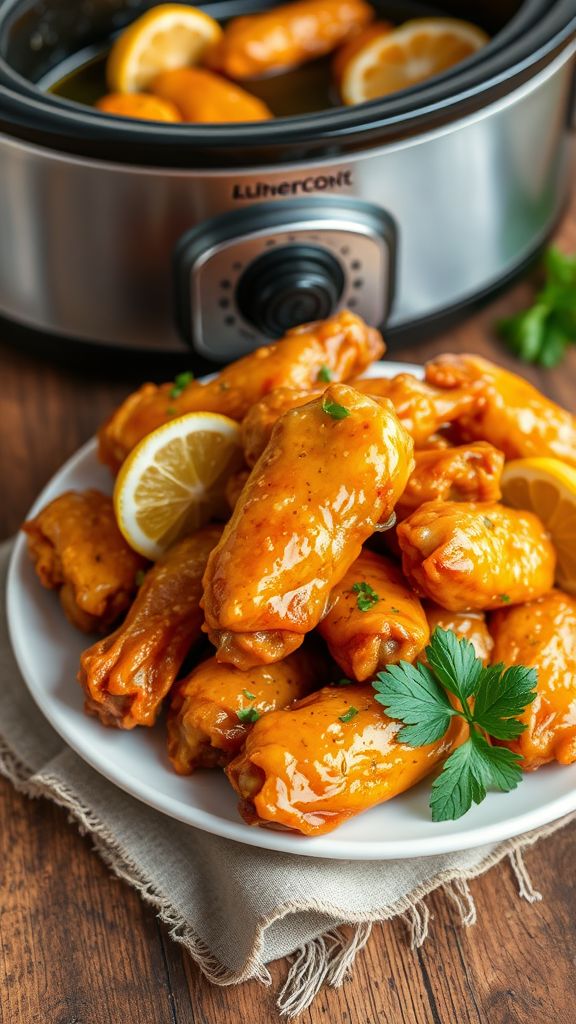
x,y
245,277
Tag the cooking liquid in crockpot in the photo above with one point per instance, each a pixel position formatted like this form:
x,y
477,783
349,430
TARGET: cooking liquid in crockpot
x,y
300,91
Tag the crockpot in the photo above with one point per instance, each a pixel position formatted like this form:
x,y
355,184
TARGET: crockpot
x,y
158,236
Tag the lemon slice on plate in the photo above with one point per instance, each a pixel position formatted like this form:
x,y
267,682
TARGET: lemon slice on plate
x,y
417,50
166,37
548,488
174,481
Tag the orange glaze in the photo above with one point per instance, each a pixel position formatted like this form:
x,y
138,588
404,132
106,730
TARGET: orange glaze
x,y
203,725
77,549
315,495
393,629
470,625
514,416
467,473
542,635
258,44
343,343
476,555
421,408
306,770
202,97
127,675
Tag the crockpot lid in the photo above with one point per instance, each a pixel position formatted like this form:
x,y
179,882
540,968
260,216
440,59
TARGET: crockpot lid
x,y
540,30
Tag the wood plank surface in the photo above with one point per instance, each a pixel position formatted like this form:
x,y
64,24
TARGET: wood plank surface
x,y
78,947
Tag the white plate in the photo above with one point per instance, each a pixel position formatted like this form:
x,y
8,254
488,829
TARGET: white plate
x,y
48,648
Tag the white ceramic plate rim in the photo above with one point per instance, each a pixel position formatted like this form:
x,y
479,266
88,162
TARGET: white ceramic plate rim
x,y
448,837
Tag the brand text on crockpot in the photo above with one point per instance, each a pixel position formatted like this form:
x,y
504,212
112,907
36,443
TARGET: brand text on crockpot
x,y
314,183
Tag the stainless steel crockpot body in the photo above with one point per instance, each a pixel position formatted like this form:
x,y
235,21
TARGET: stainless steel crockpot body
x,y
126,233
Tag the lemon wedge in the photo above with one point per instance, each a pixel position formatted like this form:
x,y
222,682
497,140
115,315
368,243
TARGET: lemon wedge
x,y
164,38
174,480
548,488
417,50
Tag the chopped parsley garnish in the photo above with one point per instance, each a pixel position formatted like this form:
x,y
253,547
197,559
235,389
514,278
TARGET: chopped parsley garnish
x,y
248,695
491,700
367,596
505,598
324,374
348,715
336,411
181,381
171,410
343,682
140,577
248,715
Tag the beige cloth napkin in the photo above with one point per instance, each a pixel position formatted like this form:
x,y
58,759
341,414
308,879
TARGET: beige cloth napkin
x,y
233,907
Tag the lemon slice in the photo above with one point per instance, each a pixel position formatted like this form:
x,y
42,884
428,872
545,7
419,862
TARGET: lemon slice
x,y
415,51
174,481
166,37
548,488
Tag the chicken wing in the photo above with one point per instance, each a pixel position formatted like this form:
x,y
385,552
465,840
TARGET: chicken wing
x,y
542,635
344,345
515,416
374,618
476,556
470,625
214,708
77,549
127,675
467,473
333,470
328,757
286,36
421,409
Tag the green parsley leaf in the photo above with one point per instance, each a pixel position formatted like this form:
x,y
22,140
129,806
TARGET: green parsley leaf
x,y
492,700
248,715
324,374
367,596
542,333
348,715
181,381
140,577
505,598
412,694
501,696
454,663
248,695
336,411
343,682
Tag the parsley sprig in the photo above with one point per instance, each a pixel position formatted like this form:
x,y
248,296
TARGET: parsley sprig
x,y
334,409
181,382
490,699
542,333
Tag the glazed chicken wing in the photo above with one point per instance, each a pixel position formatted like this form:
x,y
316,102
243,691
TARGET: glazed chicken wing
x,y
467,473
469,625
333,470
127,675
328,757
421,409
344,344
542,635
515,416
374,618
77,549
214,708
476,556
258,44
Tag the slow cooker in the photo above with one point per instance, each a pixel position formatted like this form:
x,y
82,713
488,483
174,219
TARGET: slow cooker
x,y
158,236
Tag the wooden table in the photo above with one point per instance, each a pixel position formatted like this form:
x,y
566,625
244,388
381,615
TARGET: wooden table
x,y
79,947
